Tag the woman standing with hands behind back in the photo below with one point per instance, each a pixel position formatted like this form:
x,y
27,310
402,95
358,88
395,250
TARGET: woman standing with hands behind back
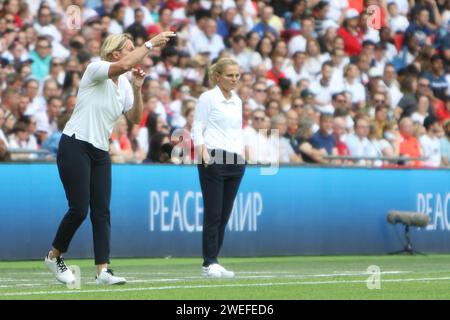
x,y
83,159
217,135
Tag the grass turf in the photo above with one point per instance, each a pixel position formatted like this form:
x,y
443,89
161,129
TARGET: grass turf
x,y
341,277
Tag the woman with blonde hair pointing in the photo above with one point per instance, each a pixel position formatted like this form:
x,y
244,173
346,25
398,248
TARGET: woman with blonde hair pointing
x,y
83,159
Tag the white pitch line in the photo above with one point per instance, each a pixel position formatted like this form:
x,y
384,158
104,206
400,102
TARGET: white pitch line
x,y
130,274
248,277
273,276
267,284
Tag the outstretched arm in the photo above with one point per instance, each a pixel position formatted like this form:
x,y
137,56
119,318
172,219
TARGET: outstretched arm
x,y
127,63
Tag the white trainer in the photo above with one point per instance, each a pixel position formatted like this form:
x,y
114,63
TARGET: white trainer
x,y
59,270
106,276
215,270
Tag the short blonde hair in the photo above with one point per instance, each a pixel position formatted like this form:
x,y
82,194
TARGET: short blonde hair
x,y
218,67
112,43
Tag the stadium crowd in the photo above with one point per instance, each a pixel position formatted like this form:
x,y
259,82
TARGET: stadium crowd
x,y
319,78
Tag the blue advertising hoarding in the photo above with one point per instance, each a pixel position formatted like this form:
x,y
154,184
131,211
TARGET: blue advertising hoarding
x,y
157,211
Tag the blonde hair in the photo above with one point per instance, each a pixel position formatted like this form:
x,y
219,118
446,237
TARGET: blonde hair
x,y
112,43
218,67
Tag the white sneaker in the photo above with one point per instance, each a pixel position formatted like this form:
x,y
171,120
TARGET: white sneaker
x,y
59,270
215,270
108,277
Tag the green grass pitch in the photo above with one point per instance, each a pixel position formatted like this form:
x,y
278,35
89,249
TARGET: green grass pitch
x,y
336,277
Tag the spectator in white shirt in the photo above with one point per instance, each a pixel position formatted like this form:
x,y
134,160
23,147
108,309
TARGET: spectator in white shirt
x,y
340,60
116,25
245,13
392,86
280,145
240,52
44,25
298,42
430,143
39,103
183,101
314,59
296,71
22,139
47,122
354,86
323,88
358,143
337,10
262,53
259,96
422,110
130,11
257,147
396,21
208,39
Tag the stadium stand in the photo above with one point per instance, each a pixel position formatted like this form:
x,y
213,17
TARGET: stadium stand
x,y
381,75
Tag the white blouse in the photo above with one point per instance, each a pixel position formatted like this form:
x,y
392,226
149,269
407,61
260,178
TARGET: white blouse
x,y
218,122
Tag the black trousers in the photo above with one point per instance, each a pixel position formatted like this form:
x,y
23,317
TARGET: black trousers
x,y
219,184
85,172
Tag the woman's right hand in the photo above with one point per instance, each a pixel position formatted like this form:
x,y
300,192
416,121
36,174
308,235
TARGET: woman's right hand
x,y
205,156
161,39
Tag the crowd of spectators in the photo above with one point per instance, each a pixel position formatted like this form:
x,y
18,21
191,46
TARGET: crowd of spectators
x,y
319,78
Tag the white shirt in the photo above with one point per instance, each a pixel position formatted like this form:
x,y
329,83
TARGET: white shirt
x,y
59,51
323,93
360,147
282,148
129,17
356,89
372,35
398,24
297,43
115,27
39,104
336,7
431,148
313,65
403,6
394,93
44,124
100,102
295,76
203,43
31,144
218,122
257,59
244,59
49,29
419,118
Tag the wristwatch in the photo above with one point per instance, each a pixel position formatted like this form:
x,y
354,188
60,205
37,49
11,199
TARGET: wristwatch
x,y
148,45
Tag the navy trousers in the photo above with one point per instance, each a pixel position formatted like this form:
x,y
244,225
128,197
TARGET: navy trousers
x,y
219,183
85,172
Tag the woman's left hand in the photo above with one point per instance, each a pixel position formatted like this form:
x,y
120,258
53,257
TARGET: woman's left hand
x,y
138,77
